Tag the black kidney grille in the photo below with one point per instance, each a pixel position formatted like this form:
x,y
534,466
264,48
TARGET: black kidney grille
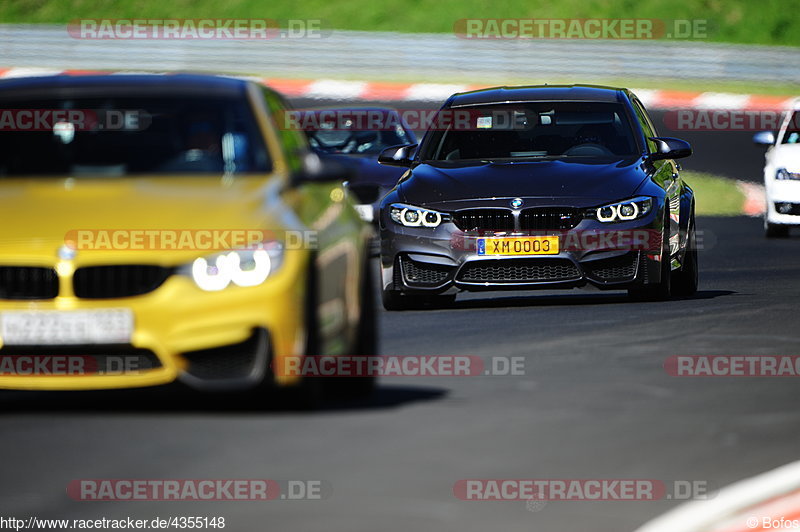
x,y
28,282
548,218
533,219
484,220
102,282
518,271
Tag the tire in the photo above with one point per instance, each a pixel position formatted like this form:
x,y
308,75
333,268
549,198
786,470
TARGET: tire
x,y
366,344
309,393
660,291
775,230
685,280
392,300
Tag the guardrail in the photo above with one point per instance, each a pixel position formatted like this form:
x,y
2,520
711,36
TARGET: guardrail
x,y
370,55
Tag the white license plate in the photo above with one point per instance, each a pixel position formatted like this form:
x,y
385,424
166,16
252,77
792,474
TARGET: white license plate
x,y
66,327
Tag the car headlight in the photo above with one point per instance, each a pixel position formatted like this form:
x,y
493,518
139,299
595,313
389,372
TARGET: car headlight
x,y
410,216
242,267
623,211
783,174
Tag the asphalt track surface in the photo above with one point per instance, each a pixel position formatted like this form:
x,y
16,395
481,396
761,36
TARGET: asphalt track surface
x,y
595,402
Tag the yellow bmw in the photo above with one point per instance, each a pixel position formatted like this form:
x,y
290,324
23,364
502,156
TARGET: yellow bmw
x,y
160,228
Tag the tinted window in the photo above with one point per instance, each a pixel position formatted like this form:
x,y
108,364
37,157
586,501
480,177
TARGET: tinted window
x,y
355,141
293,143
647,126
352,131
535,130
168,135
792,135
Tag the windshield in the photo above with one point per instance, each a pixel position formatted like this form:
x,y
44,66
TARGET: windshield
x,y
535,130
792,134
119,136
348,141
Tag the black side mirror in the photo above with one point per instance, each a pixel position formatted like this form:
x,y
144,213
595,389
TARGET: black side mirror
x,y
670,148
764,137
317,169
397,155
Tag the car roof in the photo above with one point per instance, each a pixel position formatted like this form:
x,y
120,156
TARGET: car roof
x,y
134,84
386,110
594,93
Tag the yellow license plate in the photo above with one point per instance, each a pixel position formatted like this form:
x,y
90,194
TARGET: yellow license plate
x,y
527,245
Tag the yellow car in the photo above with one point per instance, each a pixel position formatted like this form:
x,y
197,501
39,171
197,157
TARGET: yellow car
x,y
167,227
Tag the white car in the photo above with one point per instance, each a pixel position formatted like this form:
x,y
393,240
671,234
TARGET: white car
x,y
782,175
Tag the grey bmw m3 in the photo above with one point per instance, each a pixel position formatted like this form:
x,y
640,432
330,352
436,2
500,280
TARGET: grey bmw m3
x,y
520,188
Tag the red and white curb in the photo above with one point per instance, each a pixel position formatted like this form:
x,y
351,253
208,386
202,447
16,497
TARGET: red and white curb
x,y
331,89
770,501
384,91
755,199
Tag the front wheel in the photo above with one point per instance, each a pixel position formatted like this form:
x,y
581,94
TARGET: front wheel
x,y
366,344
309,393
393,299
659,291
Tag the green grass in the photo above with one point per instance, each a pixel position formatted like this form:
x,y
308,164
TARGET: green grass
x,y
714,195
774,22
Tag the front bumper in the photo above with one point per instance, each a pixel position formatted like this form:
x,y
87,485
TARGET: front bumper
x,y
783,192
208,340
445,259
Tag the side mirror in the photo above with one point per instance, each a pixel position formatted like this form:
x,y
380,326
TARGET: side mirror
x,y
670,148
316,169
766,138
397,155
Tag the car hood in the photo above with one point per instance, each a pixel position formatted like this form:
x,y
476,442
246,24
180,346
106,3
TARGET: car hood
x,y
550,182
41,212
787,156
